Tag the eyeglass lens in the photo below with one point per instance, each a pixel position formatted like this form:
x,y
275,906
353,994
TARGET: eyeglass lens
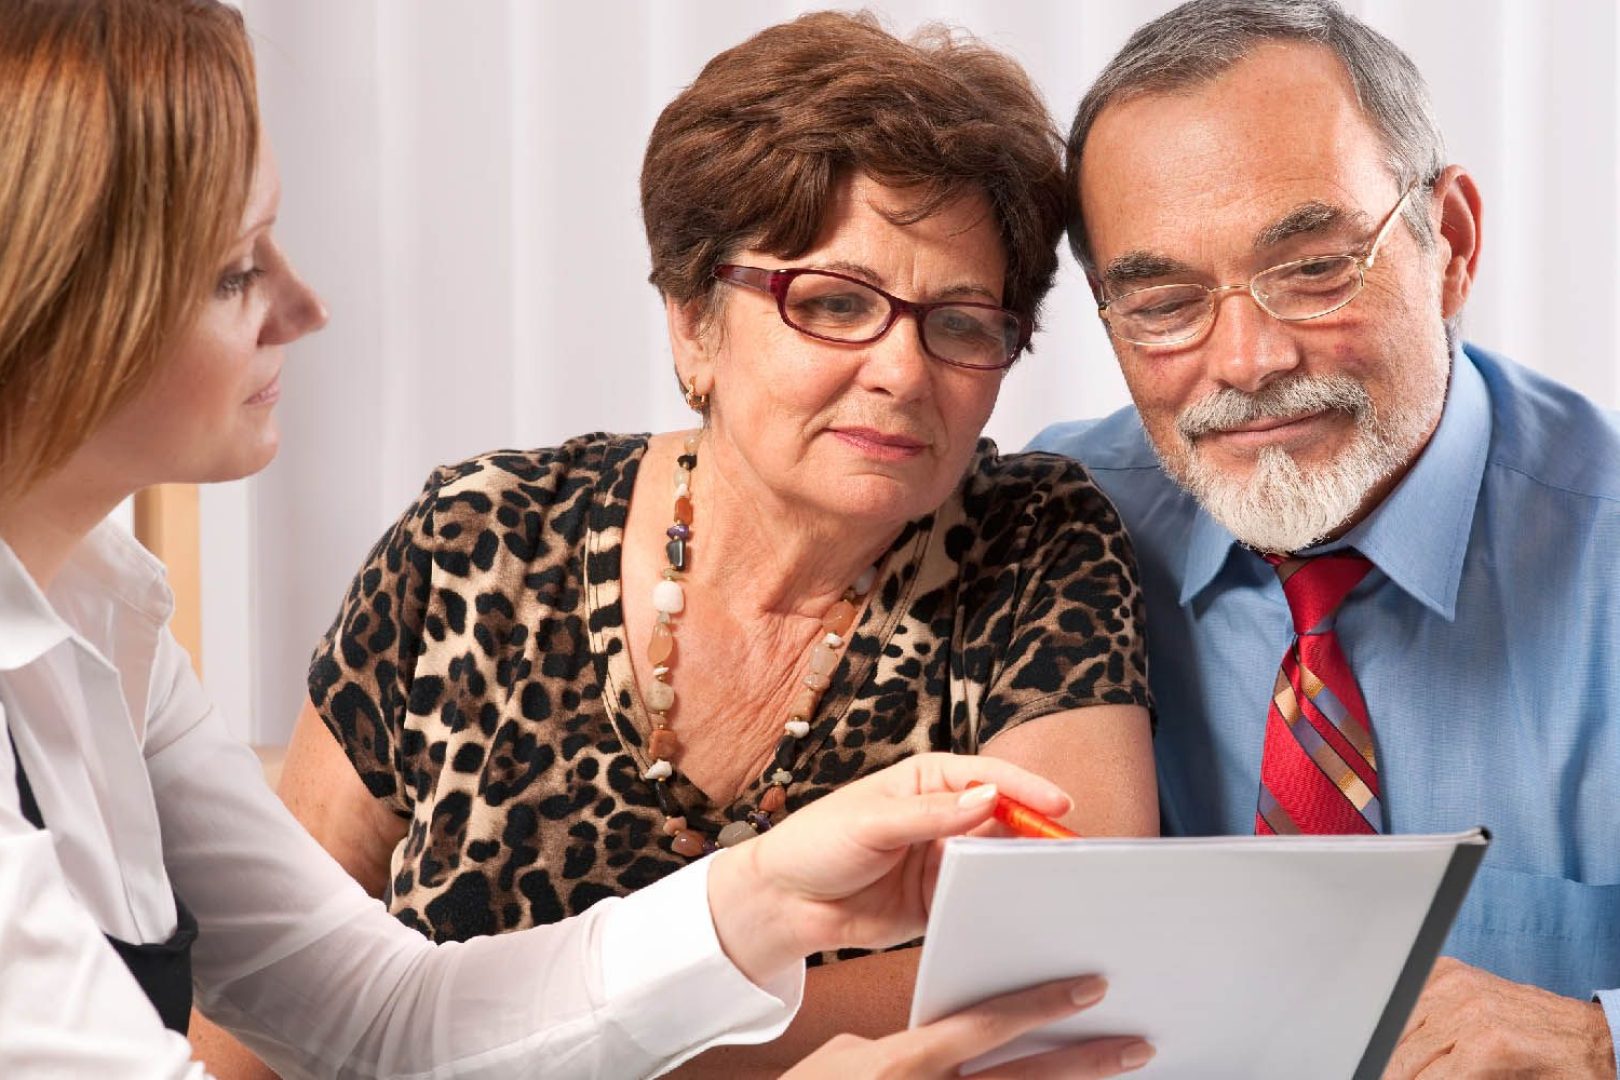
x,y
1307,289
838,310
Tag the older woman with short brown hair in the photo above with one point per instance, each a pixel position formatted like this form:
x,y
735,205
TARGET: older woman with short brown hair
x,y
563,673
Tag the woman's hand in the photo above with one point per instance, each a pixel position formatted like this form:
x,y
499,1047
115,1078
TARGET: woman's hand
x,y
940,1048
857,867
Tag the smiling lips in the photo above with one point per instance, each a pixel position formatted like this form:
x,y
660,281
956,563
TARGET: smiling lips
x,y
268,393
1270,429
877,444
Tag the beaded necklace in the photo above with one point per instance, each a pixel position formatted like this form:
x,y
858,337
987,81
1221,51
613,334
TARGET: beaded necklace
x,y
664,745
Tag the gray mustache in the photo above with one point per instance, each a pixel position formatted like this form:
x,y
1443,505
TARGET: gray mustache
x,y
1295,396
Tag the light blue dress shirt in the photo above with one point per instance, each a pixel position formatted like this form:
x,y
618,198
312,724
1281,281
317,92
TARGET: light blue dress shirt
x,y
1486,642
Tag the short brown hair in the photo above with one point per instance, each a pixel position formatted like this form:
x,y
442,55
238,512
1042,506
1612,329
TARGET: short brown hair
x,y
752,153
128,136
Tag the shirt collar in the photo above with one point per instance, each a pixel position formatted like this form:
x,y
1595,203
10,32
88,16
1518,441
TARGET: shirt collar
x,y
1419,534
108,565
32,627
1208,548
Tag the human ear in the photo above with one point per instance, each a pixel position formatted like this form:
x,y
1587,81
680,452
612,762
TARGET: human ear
x,y
691,338
1455,206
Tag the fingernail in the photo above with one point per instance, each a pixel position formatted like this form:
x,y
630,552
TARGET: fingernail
x,y
1136,1055
1089,990
976,796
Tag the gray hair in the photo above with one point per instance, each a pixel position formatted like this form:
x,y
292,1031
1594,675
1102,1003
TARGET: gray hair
x,y
1201,39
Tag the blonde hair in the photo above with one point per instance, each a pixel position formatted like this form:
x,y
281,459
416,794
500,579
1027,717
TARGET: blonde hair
x,y
128,136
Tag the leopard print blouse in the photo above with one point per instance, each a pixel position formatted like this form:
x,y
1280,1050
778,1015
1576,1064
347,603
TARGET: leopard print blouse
x,y
478,678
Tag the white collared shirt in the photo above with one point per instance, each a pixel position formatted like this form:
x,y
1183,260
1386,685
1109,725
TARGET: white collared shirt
x,y
140,785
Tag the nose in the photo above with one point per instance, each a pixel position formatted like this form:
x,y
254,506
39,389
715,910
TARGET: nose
x,y
1246,347
297,310
895,364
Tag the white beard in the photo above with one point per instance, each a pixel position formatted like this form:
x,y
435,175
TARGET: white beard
x,y
1277,507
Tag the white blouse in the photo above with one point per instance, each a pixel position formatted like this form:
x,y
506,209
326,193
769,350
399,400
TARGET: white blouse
x,y
140,785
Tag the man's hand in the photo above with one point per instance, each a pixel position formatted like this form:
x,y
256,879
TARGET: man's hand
x,y
1471,1023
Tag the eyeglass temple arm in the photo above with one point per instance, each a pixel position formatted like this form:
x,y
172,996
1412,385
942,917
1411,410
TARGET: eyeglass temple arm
x,y
1389,222
754,277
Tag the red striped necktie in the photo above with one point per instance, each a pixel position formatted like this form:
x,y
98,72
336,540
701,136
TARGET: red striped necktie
x,y
1318,773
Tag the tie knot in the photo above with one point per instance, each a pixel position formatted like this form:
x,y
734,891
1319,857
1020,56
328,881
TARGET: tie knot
x,y
1317,585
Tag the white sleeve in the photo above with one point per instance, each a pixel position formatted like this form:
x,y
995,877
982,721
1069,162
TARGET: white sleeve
x,y
315,976
68,1005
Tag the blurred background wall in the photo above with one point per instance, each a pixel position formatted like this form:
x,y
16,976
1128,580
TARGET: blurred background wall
x,y
460,182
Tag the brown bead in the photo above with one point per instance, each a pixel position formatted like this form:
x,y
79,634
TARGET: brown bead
x,y
664,744
683,510
805,704
839,618
688,843
773,800
674,825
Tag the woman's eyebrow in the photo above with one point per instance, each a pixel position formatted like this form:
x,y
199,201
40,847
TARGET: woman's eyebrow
x,y
258,227
950,292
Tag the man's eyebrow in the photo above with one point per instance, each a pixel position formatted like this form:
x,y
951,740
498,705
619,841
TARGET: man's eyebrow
x,y
1310,218
1136,266
1314,217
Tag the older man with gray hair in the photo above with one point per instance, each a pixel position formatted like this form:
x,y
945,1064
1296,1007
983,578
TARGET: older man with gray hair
x,y
1380,565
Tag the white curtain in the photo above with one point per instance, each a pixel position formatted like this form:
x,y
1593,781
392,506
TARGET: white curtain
x,y
461,183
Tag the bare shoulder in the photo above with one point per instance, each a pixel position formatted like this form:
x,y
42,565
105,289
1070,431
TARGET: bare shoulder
x,y
327,796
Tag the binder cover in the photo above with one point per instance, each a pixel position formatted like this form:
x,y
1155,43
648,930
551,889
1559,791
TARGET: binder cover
x,y
1243,957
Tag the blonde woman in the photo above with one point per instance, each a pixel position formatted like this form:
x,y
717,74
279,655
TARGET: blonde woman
x,y
144,306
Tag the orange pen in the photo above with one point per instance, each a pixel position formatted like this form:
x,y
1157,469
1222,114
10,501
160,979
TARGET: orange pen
x,y
1024,821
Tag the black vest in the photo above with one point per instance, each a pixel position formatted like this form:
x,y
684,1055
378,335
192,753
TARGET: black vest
x,y
163,968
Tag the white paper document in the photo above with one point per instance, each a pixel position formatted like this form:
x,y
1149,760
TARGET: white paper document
x,y
1242,957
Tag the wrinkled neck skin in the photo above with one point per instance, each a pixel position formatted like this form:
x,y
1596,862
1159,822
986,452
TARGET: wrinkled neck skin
x,y
765,555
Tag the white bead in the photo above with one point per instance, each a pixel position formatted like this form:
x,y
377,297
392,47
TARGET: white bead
x,y
833,641
682,491
659,697
797,728
735,833
681,475
863,584
658,770
823,659
660,671
782,776
668,597
692,442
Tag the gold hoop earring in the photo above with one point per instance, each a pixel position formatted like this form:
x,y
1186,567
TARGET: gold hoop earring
x,y
698,403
